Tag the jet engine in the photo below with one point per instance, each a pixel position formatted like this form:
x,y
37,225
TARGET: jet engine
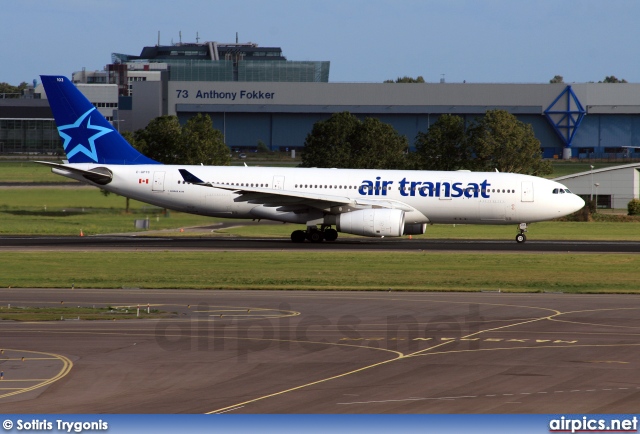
x,y
372,222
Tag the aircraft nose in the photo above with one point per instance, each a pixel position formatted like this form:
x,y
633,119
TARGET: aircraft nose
x,y
576,203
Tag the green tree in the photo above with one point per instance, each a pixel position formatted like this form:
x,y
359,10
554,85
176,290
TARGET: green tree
x,y
343,141
633,207
161,140
7,88
500,141
557,79
130,137
376,145
444,146
262,147
328,144
613,79
166,141
203,144
405,79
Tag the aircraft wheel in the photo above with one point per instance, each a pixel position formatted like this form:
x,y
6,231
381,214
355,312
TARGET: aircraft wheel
x,y
521,238
330,234
298,236
315,236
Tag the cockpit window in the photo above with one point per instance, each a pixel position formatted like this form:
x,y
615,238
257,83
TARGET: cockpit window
x,y
561,191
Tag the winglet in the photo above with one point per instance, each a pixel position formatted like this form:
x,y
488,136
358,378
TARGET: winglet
x,y
190,177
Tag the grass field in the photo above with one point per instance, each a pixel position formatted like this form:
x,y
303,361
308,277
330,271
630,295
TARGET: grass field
x,y
406,271
28,172
66,211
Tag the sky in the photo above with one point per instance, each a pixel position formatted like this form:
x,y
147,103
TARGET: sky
x,y
366,41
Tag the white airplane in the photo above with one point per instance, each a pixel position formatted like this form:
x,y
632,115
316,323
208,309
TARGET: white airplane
x,y
374,203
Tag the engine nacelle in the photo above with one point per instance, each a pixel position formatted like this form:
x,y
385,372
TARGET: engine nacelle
x,y
415,228
372,222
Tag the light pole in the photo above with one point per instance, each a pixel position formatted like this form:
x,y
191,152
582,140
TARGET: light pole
x,y
117,120
596,185
591,184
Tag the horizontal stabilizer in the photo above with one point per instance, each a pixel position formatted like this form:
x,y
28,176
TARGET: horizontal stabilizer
x,y
98,175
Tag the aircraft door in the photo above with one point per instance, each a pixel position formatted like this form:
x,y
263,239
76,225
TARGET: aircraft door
x,y
445,190
278,182
158,181
527,191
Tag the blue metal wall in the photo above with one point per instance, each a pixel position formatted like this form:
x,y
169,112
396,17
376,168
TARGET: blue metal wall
x,y
608,131
289,130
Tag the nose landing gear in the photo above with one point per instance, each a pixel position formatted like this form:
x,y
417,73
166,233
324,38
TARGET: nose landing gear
x,y
521,237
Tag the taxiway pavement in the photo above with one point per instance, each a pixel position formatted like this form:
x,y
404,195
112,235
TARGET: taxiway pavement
x,y
324,352
109,242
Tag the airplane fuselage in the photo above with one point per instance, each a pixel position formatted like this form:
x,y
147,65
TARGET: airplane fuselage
x,y
425,196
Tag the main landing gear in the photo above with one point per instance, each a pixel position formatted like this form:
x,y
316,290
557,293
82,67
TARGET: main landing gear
x,y
314,234
521,237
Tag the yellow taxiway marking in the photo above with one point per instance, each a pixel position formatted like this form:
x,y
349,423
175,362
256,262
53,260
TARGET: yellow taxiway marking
x,y
302,386
64,370
401,356
430,351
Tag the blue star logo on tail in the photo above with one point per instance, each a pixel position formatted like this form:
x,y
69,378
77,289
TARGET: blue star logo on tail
x,y
80,136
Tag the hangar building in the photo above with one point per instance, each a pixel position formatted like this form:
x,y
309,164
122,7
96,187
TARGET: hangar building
x,y
254,94
611,187
580,121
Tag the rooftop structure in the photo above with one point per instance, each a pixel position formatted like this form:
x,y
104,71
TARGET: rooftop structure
x,y
214,61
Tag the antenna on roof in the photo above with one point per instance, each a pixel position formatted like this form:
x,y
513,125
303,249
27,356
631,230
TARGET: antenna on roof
x,y
236,37
180,34
158,38
197,38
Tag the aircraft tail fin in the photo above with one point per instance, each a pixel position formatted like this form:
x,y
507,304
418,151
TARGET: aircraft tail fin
x,y
88,136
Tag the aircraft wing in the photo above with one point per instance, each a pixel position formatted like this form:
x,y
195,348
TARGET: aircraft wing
x,y
287,200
